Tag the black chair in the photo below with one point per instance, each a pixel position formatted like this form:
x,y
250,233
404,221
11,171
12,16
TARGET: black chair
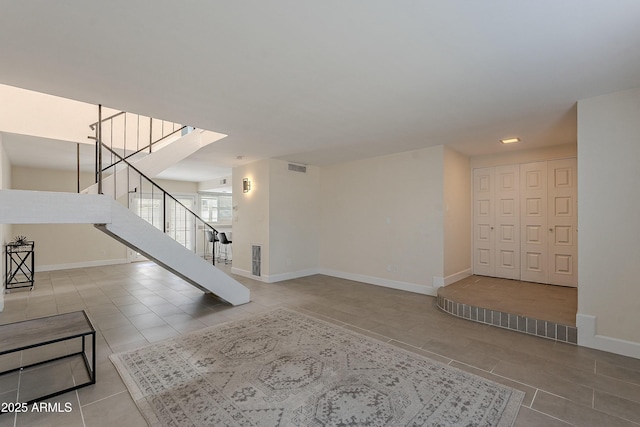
x,y
212,236
225,244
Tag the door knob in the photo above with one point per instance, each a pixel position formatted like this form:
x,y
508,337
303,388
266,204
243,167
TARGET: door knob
x,y
551,230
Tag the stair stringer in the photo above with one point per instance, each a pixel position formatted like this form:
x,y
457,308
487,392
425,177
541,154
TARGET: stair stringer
x,y
139,235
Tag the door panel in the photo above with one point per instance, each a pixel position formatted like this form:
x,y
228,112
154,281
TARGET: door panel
x,y
483,227
534,222
507,220
563,233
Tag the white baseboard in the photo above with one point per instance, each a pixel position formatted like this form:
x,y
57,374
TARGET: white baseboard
x,y
246,273
587,337
276,277
403,286
291,275
85,264
439,282
394,284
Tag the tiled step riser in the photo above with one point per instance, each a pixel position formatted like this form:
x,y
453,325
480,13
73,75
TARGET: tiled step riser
x,y
525,325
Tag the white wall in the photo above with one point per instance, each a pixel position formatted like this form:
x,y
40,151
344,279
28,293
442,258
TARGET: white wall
x,y
514,157
382,220
608,222
457,216
5,229
251,216
32,113
63,245
281,213
294,213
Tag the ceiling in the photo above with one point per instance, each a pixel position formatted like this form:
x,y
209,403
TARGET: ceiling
x,y
326,82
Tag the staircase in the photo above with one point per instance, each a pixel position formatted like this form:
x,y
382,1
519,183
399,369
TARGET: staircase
x,y
42,207
127,163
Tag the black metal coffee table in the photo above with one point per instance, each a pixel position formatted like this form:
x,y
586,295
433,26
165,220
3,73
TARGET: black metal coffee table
x,y
29,334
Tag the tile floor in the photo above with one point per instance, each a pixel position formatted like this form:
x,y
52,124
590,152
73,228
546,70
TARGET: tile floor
x,y
134,304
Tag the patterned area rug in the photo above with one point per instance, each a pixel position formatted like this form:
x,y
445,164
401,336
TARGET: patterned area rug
x,y
284,368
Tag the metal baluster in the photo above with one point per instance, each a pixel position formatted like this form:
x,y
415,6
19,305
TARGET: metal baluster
x,y
124,132
138,134
150,133
78,165
99,149
111,138
164,210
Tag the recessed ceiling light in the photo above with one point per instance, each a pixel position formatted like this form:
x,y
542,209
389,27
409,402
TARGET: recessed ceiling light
x,y
510,140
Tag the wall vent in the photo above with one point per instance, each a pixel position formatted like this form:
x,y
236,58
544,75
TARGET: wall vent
x,y
297,168
256,260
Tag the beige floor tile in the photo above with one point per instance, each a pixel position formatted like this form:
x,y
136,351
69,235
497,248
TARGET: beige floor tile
x,y
53,416
9,382
45,379
617,406
575,414
110,321
124,299
533,376
108,383
165,309
7,419
147,320
603,383
134,309
119,336
463,352
530,418
102,413
159,333
617,371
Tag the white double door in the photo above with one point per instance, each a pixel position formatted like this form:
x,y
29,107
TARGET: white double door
x,y
525,222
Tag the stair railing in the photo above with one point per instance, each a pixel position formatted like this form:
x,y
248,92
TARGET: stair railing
x,y
163,210
130,134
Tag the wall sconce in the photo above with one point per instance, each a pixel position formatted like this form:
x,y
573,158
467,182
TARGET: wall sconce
x,y
246,185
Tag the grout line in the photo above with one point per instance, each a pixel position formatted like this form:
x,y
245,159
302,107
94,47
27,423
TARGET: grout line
x,y
534,398
557,395
106,397
550,416
84,423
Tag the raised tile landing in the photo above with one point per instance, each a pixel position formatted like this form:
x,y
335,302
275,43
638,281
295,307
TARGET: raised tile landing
x,y
547,311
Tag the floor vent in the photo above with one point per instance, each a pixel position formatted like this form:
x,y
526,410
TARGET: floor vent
x,y
297,168
256,259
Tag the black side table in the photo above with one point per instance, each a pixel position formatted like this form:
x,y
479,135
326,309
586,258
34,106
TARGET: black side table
x,y
20,266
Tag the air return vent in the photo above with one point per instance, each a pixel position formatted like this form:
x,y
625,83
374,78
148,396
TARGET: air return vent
x,y
297,168
256,259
